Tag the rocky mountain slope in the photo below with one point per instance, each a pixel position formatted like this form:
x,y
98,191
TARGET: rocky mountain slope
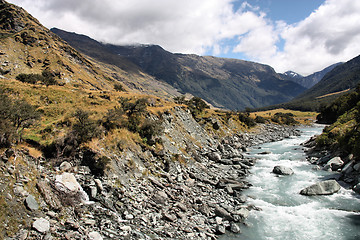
x,y
28,47
225,83
311,79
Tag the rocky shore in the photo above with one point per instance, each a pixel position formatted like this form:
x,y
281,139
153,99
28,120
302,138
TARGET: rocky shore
x,y
345,168
182,197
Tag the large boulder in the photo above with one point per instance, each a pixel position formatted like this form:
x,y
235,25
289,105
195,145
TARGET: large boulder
x,y
334,164
281,170
327,187
68,184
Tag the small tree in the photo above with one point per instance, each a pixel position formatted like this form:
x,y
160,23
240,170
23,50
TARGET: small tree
x,y
15,115
114,118
84,129
48,78
197,105
118,87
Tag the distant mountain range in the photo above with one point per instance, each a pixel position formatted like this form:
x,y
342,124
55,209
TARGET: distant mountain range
x,y
309,80
225,83
341,79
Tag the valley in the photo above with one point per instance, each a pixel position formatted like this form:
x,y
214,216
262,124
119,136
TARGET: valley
x,y
101,141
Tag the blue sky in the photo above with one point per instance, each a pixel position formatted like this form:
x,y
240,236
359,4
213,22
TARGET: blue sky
x,y
290,11
300,35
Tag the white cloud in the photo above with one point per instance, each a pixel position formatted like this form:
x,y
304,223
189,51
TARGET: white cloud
x,y
330,34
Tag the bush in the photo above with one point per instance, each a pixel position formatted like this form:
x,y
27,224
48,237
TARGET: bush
x,y
197,105
118,87
150,129
180,100
247,120
96,164
84,129
114,118
260,119
284,118
29,78
46,77
15,115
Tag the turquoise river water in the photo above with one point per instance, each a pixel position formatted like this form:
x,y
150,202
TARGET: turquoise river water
x,y
285,213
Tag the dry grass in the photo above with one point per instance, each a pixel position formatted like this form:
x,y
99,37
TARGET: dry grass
x,y
302,117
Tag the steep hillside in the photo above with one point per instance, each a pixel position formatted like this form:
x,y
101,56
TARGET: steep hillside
x,y
342,79
311,79
226,83
27,47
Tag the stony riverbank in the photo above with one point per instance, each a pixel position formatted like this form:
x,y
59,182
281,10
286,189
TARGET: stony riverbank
x,y
170,196
345,167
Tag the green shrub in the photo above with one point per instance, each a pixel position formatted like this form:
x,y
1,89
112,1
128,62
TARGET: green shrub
x,y
246,119
118,87
260,119
46,77
84,128
29,78
150,129
15,115
284,118
196,105
114,118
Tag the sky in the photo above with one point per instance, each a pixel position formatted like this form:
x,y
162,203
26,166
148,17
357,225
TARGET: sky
x,y
304,36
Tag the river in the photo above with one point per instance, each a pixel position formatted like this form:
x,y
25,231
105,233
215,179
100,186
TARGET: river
x,y
285,214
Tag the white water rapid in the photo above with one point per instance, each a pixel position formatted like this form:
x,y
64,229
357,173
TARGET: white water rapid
x,y
285,213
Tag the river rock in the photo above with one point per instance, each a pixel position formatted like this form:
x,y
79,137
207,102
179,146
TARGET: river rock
x,y
41,225
348,167
334,164
234,228
281,170
327,187
357,188
242,212
220,229
221,212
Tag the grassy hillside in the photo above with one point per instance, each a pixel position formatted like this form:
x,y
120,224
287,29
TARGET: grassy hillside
x,y
344,116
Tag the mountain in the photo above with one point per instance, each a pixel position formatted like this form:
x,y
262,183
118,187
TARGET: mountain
x,y
292,75
225,83
27,47
341,79
309,80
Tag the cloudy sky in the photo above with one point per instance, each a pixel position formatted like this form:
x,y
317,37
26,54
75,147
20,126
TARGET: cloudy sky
x,y
300,35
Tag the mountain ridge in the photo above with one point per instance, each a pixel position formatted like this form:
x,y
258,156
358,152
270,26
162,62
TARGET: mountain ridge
x,y
225,83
